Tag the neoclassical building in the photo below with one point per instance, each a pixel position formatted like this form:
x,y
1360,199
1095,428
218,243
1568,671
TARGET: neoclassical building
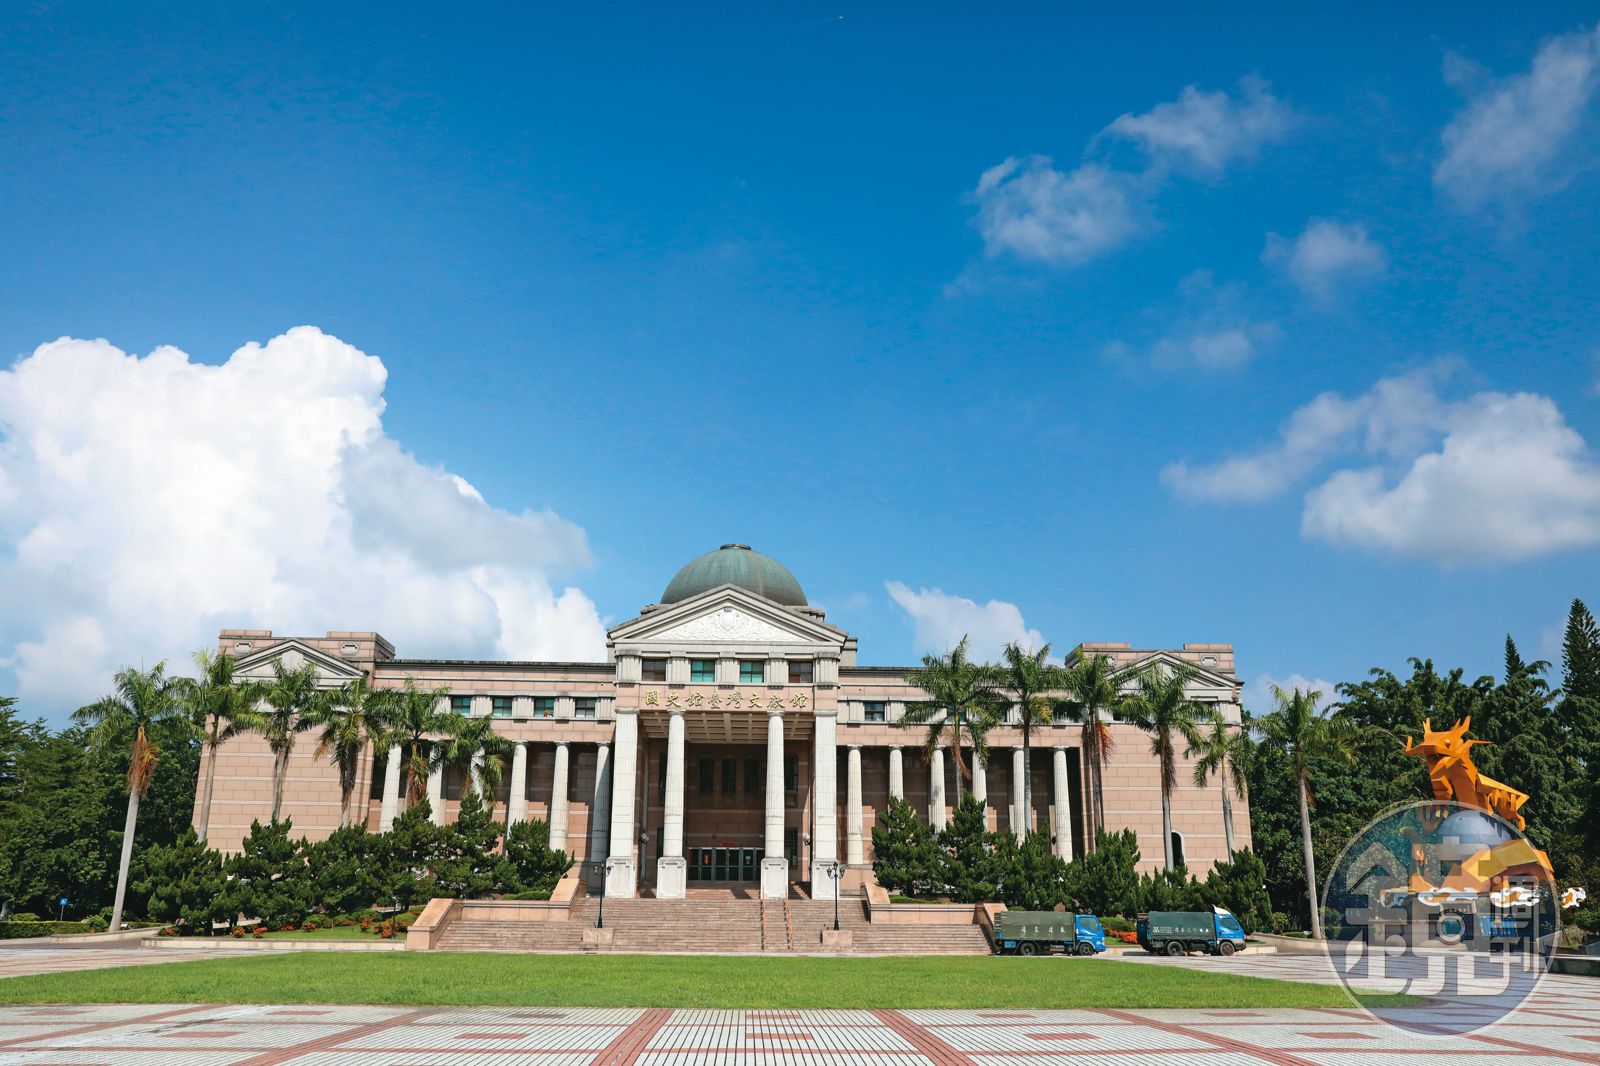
x,y
730,736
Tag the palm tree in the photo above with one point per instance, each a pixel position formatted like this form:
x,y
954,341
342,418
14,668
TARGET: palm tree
x,y
221,707
293,704
962,700
1225,752
1162,708
1029,679
476,738
352,718
143,700
1296,727
414,720
1096,687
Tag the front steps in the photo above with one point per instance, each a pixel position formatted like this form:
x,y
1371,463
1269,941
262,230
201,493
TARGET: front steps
x,y
709,924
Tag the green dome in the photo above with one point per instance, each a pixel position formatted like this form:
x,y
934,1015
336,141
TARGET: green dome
x,y
736,564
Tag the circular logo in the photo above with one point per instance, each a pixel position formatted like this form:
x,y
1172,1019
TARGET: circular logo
x,y
1447,903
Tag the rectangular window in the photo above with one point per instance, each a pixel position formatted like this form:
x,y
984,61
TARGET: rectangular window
x,y
653,669
661,780
461,705
703,671
754,779
801,673
584,708
752,671
874,711
730,777
501,705
544,706
791,773
707,772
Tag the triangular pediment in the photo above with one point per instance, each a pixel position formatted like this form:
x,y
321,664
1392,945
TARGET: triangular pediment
x,y
1203,678
727,615
331,670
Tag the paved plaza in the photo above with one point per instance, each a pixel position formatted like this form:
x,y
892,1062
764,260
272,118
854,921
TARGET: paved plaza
x,y
1560,1025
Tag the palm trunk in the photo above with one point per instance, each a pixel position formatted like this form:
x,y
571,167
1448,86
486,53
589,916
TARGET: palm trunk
x,y
1311,866
344,806
1099,777
1227,818
1166,824
1027,772
205,794
280,766
127,859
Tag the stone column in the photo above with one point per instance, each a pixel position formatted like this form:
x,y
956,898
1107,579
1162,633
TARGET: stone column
x,y
936,788
774,865
825,806
897,774
671,870
391,791
980,780
854,852
1019,814
1063,813
600,804
558,799
623,880
517,805
436,793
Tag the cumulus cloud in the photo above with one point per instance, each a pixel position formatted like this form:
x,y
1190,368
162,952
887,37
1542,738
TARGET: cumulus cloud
x,y
1205,132
1209,327
1258,697
147,502
1486,478
1028,208
1033,210
941,620
1328,257
1510,141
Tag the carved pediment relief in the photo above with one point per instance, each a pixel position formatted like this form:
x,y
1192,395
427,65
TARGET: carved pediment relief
x,y
729,623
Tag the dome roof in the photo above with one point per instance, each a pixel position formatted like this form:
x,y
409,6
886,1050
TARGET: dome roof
x,y
736,564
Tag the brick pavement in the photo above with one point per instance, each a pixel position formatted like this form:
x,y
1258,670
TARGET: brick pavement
x,y
1561,1024
21,961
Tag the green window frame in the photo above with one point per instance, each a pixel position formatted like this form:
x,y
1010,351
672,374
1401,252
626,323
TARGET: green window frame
x,y
752,671
801,671
584,707
874,711
544,706
461,705
703,671
500,706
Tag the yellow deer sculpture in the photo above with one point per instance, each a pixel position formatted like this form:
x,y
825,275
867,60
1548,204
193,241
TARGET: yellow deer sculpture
x,y
1454,776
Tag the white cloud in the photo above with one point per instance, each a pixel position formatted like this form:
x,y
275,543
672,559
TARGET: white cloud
x,y
1032,210
1509,142
1216,348
1258,698
1491,477
941,620
1204,132
147,502
1328,257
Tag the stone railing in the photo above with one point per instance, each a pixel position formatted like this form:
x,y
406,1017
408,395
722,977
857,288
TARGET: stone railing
x,y
440,914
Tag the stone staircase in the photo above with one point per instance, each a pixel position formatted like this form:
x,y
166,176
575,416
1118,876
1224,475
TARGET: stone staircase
x,y
716,924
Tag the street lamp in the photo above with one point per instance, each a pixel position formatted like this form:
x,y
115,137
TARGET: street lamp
x,y
605,871
836,871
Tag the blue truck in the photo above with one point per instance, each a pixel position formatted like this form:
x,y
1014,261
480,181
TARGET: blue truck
x,y
1042,932
1216,932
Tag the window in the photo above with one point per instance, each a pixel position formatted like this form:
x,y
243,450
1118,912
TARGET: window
x,y
752,671
653,669
730,777
791,773
461,705
544,706
874,711
707,772
703,671
584,708
1177,850
754,779
800,673
661,779
501,705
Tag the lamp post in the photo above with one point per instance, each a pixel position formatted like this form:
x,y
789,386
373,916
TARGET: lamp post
x,y
605,875
836,871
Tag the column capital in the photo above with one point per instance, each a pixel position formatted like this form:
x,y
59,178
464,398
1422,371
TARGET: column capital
x,y
774,712
853,747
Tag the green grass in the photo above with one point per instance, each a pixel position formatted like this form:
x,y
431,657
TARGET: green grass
x,y
460,979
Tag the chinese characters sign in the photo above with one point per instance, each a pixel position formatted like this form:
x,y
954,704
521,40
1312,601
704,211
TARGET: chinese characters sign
x,y
737,701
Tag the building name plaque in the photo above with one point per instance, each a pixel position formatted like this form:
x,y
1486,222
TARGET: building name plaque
x,y
735,700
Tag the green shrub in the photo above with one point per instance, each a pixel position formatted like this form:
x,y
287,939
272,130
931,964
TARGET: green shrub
x,y
1114,924
24,916
467,866
97,924
531,894
906,858
1106,880
532,865
267,880
28,930
182,883
345,869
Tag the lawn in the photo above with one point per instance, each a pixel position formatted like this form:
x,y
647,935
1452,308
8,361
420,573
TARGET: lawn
x,y
465,979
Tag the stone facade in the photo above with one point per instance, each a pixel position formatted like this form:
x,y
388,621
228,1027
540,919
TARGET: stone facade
x,y
727,737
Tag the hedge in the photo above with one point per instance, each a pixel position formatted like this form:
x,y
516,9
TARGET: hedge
x,y
25,930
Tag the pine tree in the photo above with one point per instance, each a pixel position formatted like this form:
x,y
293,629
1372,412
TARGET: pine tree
x,y
1031,876
467,864
966,847
532,866
344,870
412,849
267,879
1580,654
1106,880
906,858
182,883
1239,886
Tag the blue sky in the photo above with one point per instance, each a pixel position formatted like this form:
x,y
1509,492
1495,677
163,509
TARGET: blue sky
x,y
764,273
